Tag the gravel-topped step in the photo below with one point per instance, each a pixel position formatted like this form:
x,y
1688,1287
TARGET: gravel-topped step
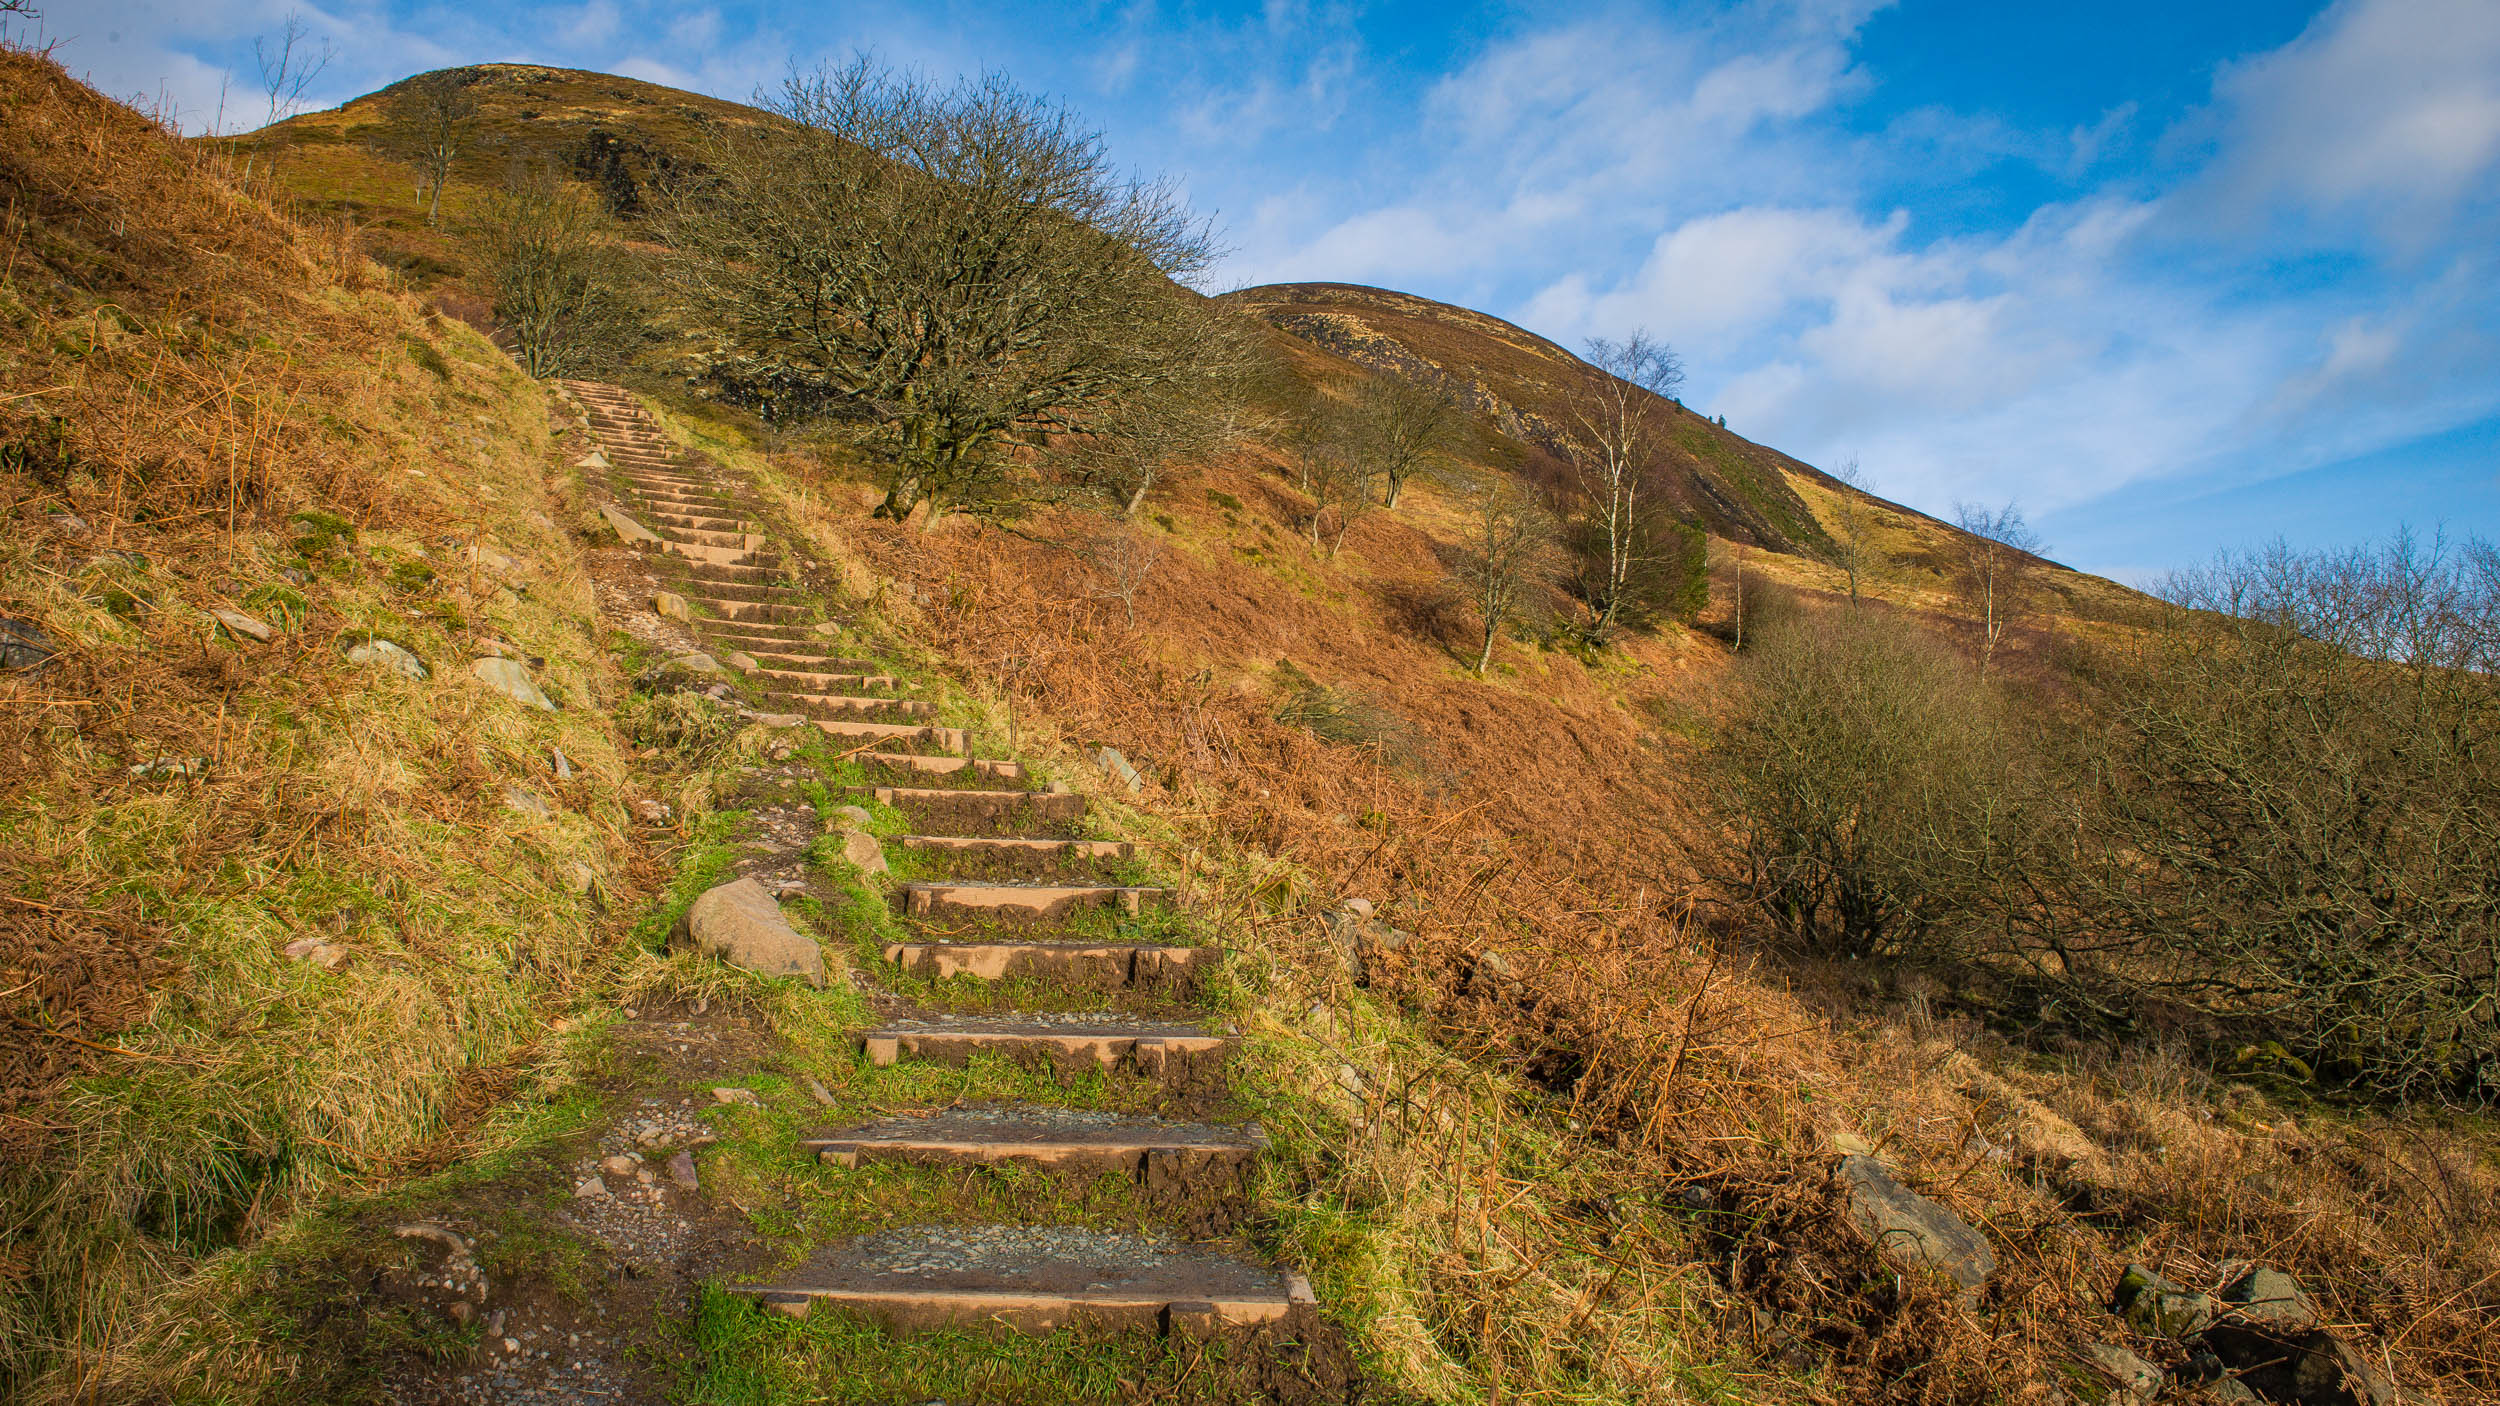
x,y
707,529
949,741
941,810
744,610
1017,858
700,586
835,705
813,681
1055,1139
705,554
1087,966
1036,1279
1184,1058
1015,845
737,576
1023,903
970,769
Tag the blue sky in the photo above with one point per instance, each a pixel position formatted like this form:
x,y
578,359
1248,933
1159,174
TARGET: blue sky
x,y
2174,277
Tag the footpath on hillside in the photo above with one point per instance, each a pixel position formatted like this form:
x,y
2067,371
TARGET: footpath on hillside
x,y
965,1133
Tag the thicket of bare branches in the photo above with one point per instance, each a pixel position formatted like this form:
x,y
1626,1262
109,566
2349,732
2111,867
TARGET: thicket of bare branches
x,y
550,258
2270,811
964,262
1405,429
438,112
1511,546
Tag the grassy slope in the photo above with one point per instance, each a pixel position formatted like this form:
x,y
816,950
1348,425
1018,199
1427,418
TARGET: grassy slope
x,y
248,419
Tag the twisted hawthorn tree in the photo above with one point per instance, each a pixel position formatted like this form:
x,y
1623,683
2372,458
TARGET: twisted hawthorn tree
x,y
965,263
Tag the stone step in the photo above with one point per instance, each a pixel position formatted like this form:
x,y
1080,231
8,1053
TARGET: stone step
x,y
1009,844
1019,859
1186,1059
811,681
746,610
1085,966
708,503
1022,903
949,740
734,574
1053,1139
742,557
984,767
835,705
792,659
966,811
1035,1280
708,529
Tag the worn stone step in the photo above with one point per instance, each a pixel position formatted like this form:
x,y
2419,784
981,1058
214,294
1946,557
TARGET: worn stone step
x,y
710,503
1022,903
744,558
951,741
1086,966
1036,1280
713,573
1020,859
967,811
1188,1060
812,681
732,608
983,767
835,705
708,529
1069,1140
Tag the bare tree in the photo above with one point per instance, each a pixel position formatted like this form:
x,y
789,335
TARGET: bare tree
x,y
288,65
1122,558
1997,549
553,268
1616,449
1327,446
1511,542
1853,525
439,110
1407,427
965,263
1142,439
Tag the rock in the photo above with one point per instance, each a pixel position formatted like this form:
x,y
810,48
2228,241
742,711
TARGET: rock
x,y
23,648
170,768
390,656
244,626
649,811
589,1188
1496,965
672,606
739,923
742,1097
778,719
2270,1301
697,662
861,850
511,678
1909,1228
1359,907
828,628
1116,766
1350,1079
2331,1372
742,661
68,524
2136,1379
817,1091
592,460
1849,1144
618,1165
681,1170
1060,788
329,956
2158,1308
584,878
562,764
495,561
630,532
527,802
853,817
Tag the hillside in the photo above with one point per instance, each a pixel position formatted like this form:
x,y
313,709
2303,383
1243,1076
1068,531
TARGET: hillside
x,y
369,1046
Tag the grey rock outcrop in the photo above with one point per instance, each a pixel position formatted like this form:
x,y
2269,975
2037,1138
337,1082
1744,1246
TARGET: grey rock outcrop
x,y
1910,1229
511,678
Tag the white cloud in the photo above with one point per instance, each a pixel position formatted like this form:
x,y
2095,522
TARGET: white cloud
x,y
2385,108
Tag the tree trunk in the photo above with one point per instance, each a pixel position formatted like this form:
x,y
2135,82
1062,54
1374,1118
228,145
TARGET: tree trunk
x,y
1397,485
1484,656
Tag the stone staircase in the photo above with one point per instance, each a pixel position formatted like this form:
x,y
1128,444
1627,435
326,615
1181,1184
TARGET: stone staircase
x,y
1023,894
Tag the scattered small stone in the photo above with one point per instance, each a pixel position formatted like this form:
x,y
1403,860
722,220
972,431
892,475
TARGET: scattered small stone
x,y
585,879
390,656
1061,788
170,768
672,606
742,661
563,765
1117,766
861,850
817,1091
681,1170
853,817
2136,1379
746,1097
630,532
651,812
590,1189
2158,1308
330,956
697,662
244,626
619,1165
527,802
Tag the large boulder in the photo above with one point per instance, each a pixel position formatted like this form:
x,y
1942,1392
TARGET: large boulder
x,y
742,925
1910,1229
2274,1339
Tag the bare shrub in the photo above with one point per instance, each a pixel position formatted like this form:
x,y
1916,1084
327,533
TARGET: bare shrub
x,y
1121,559
439,113
1510,557
1405,428
1995,579
551,260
